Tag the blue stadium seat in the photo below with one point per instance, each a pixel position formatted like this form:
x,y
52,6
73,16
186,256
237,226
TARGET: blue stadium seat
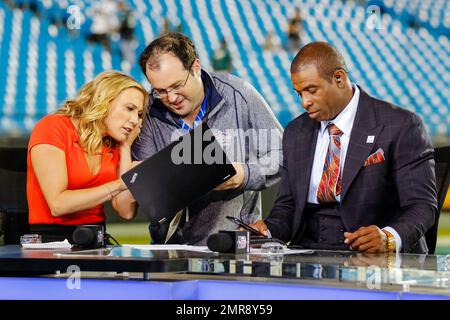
x,y
404,59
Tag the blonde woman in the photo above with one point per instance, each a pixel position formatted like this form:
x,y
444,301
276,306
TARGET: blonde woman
x,y
76,157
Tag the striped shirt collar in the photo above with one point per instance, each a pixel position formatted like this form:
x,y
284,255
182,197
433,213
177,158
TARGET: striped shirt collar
x,y
198,119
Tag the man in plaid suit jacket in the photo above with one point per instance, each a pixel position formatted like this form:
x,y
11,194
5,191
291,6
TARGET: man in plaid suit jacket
x,y
384,196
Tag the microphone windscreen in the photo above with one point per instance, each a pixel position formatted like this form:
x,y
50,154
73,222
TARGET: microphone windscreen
x,y
83,236
220,242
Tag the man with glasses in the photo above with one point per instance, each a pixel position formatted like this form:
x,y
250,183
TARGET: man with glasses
x,y
183,95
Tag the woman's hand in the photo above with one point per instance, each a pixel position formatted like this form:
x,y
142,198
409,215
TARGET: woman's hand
x,y
133,135
135,163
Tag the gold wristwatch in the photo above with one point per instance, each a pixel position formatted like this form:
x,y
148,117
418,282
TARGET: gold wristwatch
x,y
390,245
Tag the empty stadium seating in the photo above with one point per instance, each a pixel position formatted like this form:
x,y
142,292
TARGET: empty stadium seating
x,y
391,59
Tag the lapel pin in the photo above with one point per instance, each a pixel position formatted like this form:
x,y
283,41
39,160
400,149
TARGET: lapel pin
x,y
370,139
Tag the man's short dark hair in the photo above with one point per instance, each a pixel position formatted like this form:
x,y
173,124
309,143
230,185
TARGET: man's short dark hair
x,y
173,42
326,58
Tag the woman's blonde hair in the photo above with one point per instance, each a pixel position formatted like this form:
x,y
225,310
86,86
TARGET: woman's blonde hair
x,y
92,105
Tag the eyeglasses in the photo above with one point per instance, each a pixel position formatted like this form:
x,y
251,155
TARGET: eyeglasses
x,y
158,94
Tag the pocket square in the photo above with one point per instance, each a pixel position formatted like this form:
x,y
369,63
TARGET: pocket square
x,y
374,158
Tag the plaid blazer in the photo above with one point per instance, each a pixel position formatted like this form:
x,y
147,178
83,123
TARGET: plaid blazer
x,y
397,191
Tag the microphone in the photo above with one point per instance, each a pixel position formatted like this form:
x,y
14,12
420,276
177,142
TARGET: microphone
x,y
83,236
236,242
89,236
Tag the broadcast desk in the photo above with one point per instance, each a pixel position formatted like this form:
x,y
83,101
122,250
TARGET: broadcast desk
x,y
130,273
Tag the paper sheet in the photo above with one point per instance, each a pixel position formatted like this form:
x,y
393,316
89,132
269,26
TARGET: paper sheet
x,y
259,251
168,247
205,249
48,245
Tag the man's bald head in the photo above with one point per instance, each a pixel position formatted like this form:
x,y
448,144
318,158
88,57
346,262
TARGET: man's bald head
x,y
323,56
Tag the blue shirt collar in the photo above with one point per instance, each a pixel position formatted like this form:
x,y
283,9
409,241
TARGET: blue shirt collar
x,y
198,119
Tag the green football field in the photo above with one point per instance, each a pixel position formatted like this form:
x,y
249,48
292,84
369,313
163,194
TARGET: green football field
x,y
443,243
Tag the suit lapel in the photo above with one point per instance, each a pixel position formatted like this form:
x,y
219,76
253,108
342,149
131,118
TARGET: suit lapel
x,y
359,149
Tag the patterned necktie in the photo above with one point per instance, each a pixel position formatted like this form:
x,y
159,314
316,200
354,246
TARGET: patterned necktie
x,y
330,183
